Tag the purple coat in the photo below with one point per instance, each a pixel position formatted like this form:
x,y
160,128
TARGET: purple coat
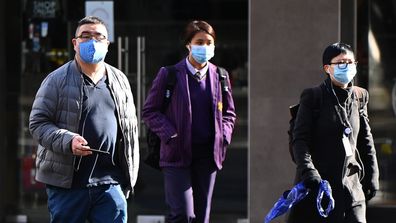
x,y
178,117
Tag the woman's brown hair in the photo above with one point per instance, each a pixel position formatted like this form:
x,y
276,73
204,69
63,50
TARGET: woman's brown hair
x,y
196,26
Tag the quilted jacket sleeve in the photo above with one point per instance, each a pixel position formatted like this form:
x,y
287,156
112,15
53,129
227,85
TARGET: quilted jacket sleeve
x,y
43,121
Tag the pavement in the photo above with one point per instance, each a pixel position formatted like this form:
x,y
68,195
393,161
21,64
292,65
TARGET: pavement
x,y
229,200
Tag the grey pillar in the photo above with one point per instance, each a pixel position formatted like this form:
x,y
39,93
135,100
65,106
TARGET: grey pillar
x,y
2,107
10,42
349,23
287,39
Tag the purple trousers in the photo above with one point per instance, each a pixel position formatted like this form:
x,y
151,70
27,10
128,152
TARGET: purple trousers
x,y
188,191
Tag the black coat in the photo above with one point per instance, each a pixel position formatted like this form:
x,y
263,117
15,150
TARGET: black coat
x,y
318,148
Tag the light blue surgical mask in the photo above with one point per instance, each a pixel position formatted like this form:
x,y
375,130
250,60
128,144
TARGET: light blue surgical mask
x,y
93,51
202,54
344,76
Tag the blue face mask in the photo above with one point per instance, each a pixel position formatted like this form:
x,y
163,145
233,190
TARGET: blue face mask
x,y
93,51
344,76
202,54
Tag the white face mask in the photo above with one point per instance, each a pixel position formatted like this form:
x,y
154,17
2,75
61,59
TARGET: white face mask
x,y
202,54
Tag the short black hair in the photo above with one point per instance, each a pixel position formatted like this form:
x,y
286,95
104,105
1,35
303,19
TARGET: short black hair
x,y
90,20
334,50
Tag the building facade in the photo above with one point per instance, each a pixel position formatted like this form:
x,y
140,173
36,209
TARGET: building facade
x,y
287,39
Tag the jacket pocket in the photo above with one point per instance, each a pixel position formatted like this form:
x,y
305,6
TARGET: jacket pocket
x,y
41,153
354,187
169,150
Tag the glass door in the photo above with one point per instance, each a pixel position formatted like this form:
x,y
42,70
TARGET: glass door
x,y
154,32
148,35
44,48
376,44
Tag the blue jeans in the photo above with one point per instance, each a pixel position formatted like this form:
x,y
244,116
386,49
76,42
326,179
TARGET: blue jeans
x,y
105,203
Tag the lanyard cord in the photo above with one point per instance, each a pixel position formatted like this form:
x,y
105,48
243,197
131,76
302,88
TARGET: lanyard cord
x,y
347,109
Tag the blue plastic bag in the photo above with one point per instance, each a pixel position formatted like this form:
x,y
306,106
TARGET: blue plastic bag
x,y
296,194
289,198
324,188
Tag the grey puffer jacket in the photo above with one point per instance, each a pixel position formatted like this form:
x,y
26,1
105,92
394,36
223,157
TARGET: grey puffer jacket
x,y
55,117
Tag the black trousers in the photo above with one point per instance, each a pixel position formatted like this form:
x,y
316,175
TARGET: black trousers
x,y
350,205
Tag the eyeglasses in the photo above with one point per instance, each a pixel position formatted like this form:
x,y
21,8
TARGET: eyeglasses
x,y
343,65
85,36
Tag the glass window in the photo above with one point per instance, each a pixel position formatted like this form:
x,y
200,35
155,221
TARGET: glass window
x,y
376,47
149,36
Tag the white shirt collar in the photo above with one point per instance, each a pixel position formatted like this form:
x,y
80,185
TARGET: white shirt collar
x,y
193,70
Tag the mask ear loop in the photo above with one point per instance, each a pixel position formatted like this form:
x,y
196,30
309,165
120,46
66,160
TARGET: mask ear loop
x,y
326,69
189,56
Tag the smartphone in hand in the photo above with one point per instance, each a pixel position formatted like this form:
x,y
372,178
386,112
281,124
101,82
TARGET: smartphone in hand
x,y
99,151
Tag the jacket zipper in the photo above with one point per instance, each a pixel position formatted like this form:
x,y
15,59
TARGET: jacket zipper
x,y
79,120
120,124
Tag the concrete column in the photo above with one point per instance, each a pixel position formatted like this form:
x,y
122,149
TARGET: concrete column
x,y
349,23
10,41
2,107
287,39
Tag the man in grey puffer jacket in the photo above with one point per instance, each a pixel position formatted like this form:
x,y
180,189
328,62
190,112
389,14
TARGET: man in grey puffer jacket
x,y
84,120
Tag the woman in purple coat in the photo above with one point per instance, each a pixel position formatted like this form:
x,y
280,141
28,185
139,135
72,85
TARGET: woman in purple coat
x,y
195,128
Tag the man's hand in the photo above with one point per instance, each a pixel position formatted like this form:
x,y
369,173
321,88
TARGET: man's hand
x,y
79,146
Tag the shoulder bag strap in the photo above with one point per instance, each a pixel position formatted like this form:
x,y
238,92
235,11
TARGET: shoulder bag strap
x,y
170,85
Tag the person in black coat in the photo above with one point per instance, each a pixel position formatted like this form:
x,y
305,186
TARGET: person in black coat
x,y
332,141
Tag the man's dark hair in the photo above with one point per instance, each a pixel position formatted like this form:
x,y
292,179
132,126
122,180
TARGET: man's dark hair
x,y
334,50
90,20
196,26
